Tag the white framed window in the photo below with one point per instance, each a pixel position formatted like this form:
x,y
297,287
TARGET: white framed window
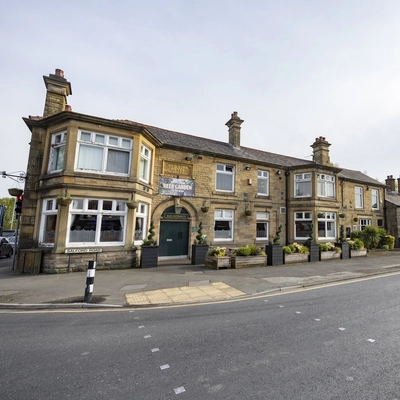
x,y
302,225
375,199
57,152
358,191
103,154
302,185
141,223
225,177
145,162
364,222
223,225
263,183
96,222
262,225
326,225
326,185
48,223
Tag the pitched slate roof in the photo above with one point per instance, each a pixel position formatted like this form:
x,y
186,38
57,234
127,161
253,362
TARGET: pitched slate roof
x,y
393,197
358,176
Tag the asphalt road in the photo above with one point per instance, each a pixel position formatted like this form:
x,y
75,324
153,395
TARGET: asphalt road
x,y
339,342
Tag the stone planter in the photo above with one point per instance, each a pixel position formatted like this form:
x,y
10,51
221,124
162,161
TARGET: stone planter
x,y
295,258
248,261
274,254
217,262
358,253
199,253
345,250
314,252
330,255
149,257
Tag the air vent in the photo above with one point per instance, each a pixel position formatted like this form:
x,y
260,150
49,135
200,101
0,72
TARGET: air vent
x,y
283,210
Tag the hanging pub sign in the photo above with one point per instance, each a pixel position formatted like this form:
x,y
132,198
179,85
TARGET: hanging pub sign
x,y
177,187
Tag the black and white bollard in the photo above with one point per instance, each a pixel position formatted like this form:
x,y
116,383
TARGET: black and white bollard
x,y
90,280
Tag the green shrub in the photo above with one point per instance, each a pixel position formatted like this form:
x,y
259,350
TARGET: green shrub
x,y
287,249
356,244
329,247
217,251
250,250
387,240
371,237
243,251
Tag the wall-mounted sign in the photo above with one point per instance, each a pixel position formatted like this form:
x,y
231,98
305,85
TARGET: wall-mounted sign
x,y
87,250
176,169
177,187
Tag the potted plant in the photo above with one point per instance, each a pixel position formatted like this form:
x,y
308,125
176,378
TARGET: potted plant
x,y
247,211
355,219
314,252
199,247
342,215
132,204
249,256
64,200
15,191
149,251
295,253
342,244
204,208
275,250
357,248
216,258
329,251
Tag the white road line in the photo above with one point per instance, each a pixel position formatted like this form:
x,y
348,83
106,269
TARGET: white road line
x,y
141,326
298,312
371,340
155,349
180,389
342,329
317,319
165,366
147,336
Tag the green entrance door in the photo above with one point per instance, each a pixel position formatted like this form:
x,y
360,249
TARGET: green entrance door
x,y
174,239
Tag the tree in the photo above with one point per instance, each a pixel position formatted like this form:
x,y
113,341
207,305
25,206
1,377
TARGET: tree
x,y
9,203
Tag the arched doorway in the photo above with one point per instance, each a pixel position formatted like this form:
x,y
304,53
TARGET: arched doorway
x,y
174,234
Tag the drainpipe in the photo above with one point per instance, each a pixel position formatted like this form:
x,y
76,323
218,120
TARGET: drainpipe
x,y
287,174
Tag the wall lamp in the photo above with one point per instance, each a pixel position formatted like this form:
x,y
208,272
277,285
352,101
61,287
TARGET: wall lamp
x,y
247,168
278,171
177,206
188,158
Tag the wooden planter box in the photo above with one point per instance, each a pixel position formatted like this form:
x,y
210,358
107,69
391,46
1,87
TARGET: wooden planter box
x,y
274,254
199,253
248,261
329,255
217,262
295,258
345,249
149,257
314,252
358,253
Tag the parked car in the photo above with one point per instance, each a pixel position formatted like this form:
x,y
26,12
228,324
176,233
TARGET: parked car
x,y
11,239
6,248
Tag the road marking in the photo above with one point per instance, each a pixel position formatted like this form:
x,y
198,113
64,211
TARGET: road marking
x,y
371,340
342,329
141,326
147,336
298,312
280,306
165,366
317,319
155,349
179,390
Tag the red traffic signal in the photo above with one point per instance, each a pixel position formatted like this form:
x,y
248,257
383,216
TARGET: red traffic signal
x,y
18,204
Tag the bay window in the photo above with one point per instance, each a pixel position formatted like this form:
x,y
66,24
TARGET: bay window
x,y
302,224
105,154
57,151
96,221
326,225
326,185
302,185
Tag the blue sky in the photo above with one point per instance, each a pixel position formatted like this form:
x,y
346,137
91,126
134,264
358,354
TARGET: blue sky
x,y
294,70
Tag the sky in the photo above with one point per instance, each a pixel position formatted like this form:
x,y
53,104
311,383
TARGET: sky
x,y
294,70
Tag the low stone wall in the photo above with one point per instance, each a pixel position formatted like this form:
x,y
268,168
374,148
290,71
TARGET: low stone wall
x,y
52,263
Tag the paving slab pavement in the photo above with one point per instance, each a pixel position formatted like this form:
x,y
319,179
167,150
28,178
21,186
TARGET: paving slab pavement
x,y
179,283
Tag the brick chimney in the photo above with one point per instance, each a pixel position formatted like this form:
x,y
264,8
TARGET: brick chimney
x,y
234,129
321,151
390,183
58,88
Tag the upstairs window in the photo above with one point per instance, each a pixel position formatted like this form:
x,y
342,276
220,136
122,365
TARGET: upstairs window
x,y
104,154
56,162
302,185
263,183
145,162
225,177
326,185
375,199
358,190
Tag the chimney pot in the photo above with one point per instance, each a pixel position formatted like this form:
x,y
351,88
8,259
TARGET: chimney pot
x,y
68,107
60,72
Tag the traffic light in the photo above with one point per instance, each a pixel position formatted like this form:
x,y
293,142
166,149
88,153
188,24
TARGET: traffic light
x,y
18,204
